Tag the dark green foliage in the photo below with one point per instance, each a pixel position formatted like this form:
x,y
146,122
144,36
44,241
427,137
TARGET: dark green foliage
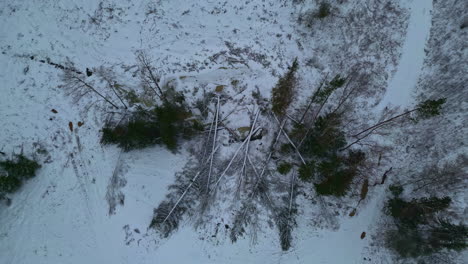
x,y
22,168
408,242
337,81
170,120
450,236
14,172
430,108
307,171
405,212
416,242
298,131
324,10
284,168
197,125
136,134
9,184
164,124
323,144
339,173
286,148
396,190
325,137
336,184
419,232
354,158
434,204
330,166
416,211
283,92
322,95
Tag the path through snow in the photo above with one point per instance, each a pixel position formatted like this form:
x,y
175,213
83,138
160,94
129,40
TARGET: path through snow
x,y
402,85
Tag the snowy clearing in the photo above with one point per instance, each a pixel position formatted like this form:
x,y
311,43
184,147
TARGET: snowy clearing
x,y
92,203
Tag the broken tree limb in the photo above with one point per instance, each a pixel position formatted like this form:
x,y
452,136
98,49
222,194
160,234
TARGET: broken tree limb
x,y
247,148
312,100
213,148
290,141
185,192
230,162
94,90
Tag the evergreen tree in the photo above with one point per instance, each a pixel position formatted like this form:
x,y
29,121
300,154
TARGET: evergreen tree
x,y
430,108
448,235
283,92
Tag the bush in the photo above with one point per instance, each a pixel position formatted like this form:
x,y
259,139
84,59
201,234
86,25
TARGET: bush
x,y
9,184
283,92
408,242
284,168
22,168
430,108
417,211
411,242
396,190
15,172
324,10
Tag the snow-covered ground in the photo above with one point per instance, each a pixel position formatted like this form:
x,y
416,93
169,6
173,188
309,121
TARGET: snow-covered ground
x,y
61,216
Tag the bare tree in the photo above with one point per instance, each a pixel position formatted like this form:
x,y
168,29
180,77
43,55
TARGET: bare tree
x,y
76,85
148,75
451,176
426,109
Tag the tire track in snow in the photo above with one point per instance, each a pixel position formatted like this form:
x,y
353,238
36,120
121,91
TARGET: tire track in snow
x,y
83,168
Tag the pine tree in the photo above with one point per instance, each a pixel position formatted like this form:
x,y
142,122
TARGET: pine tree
x,y
430,108
282,94
449,236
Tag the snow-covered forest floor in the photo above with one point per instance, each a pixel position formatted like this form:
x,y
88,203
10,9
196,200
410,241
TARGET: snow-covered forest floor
x,y
93,203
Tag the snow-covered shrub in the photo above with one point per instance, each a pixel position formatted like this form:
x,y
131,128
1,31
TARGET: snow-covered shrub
x,y
14,172
307,171
284,168
9,184
396,190
21,167
324,10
